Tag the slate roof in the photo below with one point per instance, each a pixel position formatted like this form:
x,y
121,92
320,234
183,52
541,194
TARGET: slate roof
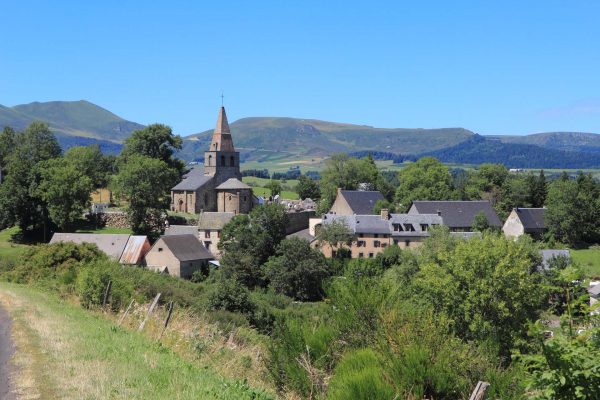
x,y
194,180
233,183
548,255
458,214
361,202
532,218
303,234
594,291
372,224
182,230
186,247
214,220
111,244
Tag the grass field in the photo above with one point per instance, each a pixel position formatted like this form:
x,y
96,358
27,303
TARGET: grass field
x,y
66,352
8,249
105,230
258,187
589,261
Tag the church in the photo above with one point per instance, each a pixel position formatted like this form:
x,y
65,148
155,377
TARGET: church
x,y
219,187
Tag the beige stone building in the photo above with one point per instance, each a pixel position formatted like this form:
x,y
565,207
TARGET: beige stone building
x,y
218,186
522,221
178,255
373,233
350,202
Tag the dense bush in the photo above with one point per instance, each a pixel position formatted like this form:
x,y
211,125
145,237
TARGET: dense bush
x,y
231,296
93,281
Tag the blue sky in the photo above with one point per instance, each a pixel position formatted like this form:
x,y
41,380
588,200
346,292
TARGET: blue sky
x,y
509,67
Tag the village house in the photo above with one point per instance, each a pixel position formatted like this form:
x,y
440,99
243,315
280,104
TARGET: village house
x,y
522,221
360,202
217,187
127,249
458,216
178,255
210,225
373,233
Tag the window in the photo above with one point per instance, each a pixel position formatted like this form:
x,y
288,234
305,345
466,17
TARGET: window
x,y
377,243
398,228
360,235
409,227
207,234
395,241
210,160
207,245
370,255
160,249
360,243
222,161
205,199
232,161
245,198
407,243
376,235
384,245
424,227
361,255
219,234
229,197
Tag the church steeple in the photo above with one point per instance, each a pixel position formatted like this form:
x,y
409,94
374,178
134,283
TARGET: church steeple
x,y
221,140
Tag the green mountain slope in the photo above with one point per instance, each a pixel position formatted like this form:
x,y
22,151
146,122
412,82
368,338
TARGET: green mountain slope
x,y
70,118
570,141
321,138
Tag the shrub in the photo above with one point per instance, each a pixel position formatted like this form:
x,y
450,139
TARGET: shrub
x,y
360,375
93,280
231,296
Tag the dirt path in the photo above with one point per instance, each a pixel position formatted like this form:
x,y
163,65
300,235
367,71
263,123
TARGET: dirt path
x,y
6,351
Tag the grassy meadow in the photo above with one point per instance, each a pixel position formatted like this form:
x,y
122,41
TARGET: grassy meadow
x,y
66,352
588,260
9,250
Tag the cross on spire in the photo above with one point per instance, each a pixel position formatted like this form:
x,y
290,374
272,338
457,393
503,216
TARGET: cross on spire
x,y
222,98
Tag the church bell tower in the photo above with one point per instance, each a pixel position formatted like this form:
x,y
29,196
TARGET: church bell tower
x,y
221,160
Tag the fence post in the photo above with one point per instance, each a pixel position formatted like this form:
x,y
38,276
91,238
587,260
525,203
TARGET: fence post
x,y
126,311
152,306
479,392
106,293
170,311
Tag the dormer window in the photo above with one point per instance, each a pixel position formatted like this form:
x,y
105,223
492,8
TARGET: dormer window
x,y
409,227
424,227
398,228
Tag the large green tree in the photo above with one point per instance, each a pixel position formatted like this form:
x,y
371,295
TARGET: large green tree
x,y
91,162
296,270
155,141
65,188
7,144
307,188
426,179
19,204
248,240
145,182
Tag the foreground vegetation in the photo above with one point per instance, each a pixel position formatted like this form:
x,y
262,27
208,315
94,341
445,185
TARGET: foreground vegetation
x,y
65,352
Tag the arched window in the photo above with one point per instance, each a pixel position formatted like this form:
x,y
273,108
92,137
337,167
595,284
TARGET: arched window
x,y
205,199
222,161
210,160
232,162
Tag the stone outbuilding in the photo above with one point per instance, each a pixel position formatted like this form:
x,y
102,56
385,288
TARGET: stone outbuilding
x,y
522,221
178,255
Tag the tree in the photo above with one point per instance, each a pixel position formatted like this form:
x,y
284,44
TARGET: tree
x,y
155,141
18,203
426,179
248,240
345,172
307,188
145,182
336,234
7,144
384,204
274,186
296,270
91,162
480,222
486,182
65,189
538,189
572,212
488,288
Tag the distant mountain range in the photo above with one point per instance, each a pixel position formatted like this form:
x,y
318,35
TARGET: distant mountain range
x,y
83,123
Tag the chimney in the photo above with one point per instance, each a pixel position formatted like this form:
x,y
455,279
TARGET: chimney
x,y
385,214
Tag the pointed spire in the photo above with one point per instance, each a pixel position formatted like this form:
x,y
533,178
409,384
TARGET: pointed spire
x,y
222,124
221,140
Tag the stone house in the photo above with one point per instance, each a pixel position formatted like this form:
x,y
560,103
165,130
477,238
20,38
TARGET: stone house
x,y
218,186
178,255
458,216
349,202
522,221
210,225
373,233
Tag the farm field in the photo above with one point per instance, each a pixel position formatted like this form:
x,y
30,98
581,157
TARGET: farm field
x,y
66,352
589,261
